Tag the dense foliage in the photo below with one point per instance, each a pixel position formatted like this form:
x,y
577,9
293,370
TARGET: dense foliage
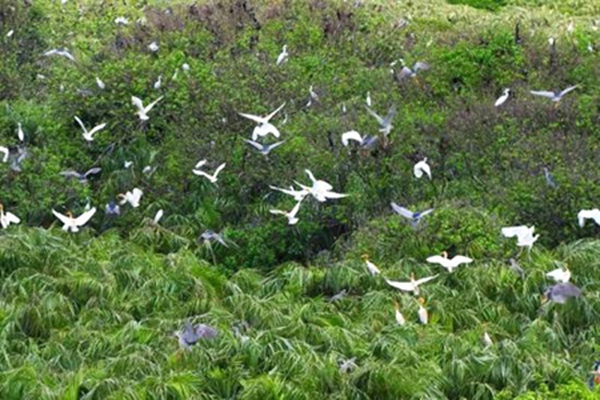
x,y
91,315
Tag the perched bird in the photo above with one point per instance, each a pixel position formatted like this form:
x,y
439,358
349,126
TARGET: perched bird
x,y
413,285
143,111
158,83
121,21
298,195
423,314
524,235
283,56
421,167
100,84
549,178
20,133
561,275
212,178
264,127
447,263
159,214
588,214
83,178
71,223
127,164
60,52
209,236
264,149
384,123
190,335
372,268
561,292
112,208
153,47
10,33
366,141
415,217
554,96
7,218
502,99
347,365
132,197
290,215
487,340
6,153
399,317
89,135
368,99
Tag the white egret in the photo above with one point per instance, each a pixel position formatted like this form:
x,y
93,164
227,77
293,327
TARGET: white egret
x,y
561,292
71,223
7,218
6,152
20,133
264,127
283,56
562,275
212,178
413,285
487,340
372,268
264,149
100,84
449,264
399,317
143,111
384,123
502,99
290,215
121,21
153,47
185,67
415,217
159,214
524,235
423,314
158,83
422,167
60,52
132,197
368,100
554,96
10,33
127,164
588,214
89,135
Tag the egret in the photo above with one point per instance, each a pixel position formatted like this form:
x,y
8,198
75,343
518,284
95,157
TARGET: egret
x,y
132,197
100,84
399,317
264,149
487,340
384,123
158,83
423,314
415,217
209,235
524,235
6,152
372,268
127,164
212,178
413,285
298,195
190,335
143,111
588,214
153,47
264,127
71,223
502,99
7,218
449,264
157,217
185,67
121,21
554,96
549,178
89,135
561,292
560,275
422,167
83,178
369,102
10,33
283,56
20,133
60,52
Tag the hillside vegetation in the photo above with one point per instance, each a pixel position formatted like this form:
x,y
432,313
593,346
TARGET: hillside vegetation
x,y
91,315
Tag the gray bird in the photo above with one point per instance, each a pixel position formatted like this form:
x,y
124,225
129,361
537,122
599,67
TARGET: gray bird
x,y
412,73
415,217
549,178
60,52
210,235
516,268
338,296
561,292
16,161
264,149
190,335
81,177
384,123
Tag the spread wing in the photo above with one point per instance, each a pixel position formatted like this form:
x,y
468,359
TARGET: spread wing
x,y
276,144
425,280
63,218
402,211
252,143
567,90
96,129
420,66
512,231
80,123
436,260
219,169
379,119
351,135
462,260
71,174
404,286
543,93
149,107
138,103
92,171
268,117
85,217
12,218
254,118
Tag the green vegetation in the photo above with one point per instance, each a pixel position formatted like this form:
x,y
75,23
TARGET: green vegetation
x,y
91,315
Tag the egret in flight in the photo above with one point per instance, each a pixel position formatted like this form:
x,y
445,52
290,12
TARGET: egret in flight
x,y
143,111
71,223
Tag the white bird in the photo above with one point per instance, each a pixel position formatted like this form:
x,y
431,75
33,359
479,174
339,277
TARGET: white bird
x,y
6,152
372,268
449,264
554,96
423,314
60,52
369,103
413,285
20,133
502,99
143,111
487,340
313,95
89,135
153,47
298,195
415,217
121,21
264,149
185,67
320,189
7,218
212,178
524,235
10,33
149,170
588,214
421,167
71,223
127,164
158,216
132,197
399,317
158,82
560,275
283,56
291,215
264,127
100,84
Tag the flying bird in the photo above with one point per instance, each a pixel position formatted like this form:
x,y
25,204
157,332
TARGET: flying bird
x,y
366,141
209,236
413,285
502,99
372,268
190,335
290,215
7,218
449,263
212,178
415,217
264,149
60,52
320,189
71,223
264,127
143,111
561,292
89,135
412,73
132,197
422,167
554,96
283,56
384,123
83,178
588,214
524,235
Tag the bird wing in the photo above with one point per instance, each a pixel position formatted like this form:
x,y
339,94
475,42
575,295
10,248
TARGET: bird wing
x,y
436,260
372,267
200,163
205,331
5,151
252,143
149,106
567,90
420,66
71,174
424,280
295,210
63,218
219,169
390,115
268,117
568,289
96,129
457,260
351,135
512,231
65,53
405,71
426,212
12,218
543,93
51,52
379,119
138,103
278,212
402,211
276,144
92,171
81,124
254,118
201,173
405,286
85,217
334,195
136,194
